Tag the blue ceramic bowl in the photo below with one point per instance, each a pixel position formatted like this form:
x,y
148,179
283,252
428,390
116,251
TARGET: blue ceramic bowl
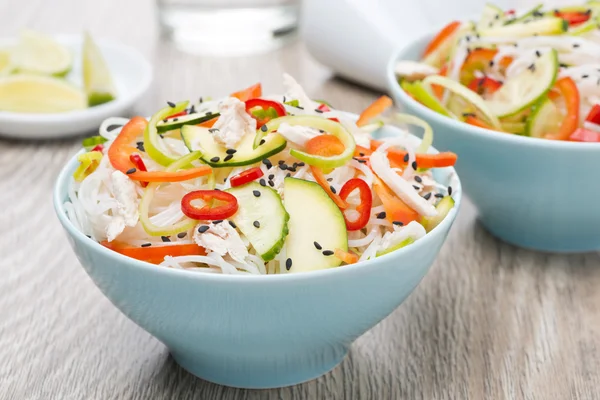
x,y
535,193
257,331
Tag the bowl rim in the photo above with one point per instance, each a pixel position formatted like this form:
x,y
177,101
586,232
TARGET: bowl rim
x,y
59,198
144,70
429,114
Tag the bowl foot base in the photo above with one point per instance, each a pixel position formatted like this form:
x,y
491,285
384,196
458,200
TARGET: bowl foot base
x,y
261,372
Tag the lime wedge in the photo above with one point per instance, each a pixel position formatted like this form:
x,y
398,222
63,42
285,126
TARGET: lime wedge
x,y
96,76
6,65
39,54
39,94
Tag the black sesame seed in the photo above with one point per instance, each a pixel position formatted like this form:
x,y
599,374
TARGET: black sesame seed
x,y
171,104
264,128
332,189
256,193
381,215
302,108
267,163
288,264
200,100
230,151
418,179
361,154
89,237
165,239
319,111
215,159
439,195
360,160
563,65
140,146
291,169
406,157
414,165
262,182
327,252
228,157
271,183
301,164
213,130
584,76
203,228
218,221
165,120
449,190
181,235
192,109
575,45
256,224
262,141
466,115
232,224
417,188
280,162
283,166
288,174
272,176
208,114
147,245
398,223
427,196
497,16
531,68
175,119
130,171
537,53
318,246
491,63
161,135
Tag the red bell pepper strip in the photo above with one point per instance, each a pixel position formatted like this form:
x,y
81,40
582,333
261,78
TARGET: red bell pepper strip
x,y
395,208
246,176
472,120
139,164
442,35
375,109
249,93
121,149
264,105
594,115
154,254
207,212
585,135
364,208
568,90
484,86
424,160
573,17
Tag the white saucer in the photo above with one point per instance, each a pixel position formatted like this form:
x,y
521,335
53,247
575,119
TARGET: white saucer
x,y
132,75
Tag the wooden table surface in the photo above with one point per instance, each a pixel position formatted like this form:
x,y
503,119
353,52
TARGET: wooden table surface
x,y
489,321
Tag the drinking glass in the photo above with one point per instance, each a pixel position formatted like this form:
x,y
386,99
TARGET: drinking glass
x,y
228,27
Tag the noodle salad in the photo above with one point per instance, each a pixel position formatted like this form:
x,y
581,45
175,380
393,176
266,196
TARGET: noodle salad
x,y
253,184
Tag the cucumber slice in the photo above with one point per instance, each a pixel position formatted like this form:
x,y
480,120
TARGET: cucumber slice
x,y
467,95
424,97
214,154
544,26
190,119
545,118
443,208
528,16
400,245
490,17
268,210
314,217
517,128
527,88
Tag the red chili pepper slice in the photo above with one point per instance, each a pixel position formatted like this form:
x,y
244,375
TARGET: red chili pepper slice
x,y
264,106
573,17
484,86
585,135
98,147
179,114
364,208
207,212
246,176
594,115
325,108
139,165
569,92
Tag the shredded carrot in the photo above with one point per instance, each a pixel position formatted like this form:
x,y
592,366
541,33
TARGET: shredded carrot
x,y
346,256
438,90
209,123
472,120
395,208
375,109
321,180
424,160
441,37
249,93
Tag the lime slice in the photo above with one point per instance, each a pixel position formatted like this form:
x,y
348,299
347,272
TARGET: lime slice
x,y
39,94
39,54
96,76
